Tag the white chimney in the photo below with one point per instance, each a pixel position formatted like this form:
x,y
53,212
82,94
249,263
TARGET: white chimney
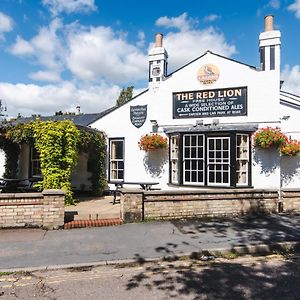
x,y
269,46
157,61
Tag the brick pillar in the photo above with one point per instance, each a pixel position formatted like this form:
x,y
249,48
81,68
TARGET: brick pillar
x,y
54,208
132,207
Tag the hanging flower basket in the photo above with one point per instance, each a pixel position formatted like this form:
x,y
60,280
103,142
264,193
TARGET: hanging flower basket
x,y
290,148
152,141
269,137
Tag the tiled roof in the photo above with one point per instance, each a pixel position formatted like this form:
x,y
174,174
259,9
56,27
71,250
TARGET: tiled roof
x,y
80,119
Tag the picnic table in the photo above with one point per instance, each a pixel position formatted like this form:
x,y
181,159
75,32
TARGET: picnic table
x,y
15,185
147,186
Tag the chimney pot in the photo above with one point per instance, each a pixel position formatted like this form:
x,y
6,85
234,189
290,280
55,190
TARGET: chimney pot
x,y
269,23
158,40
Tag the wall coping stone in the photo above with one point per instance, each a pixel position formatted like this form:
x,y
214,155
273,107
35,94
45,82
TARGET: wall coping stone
x,y
212,191
53,192
20,195
131,191
290,190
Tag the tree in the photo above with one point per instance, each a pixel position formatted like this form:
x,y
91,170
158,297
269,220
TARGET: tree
x,y
125,95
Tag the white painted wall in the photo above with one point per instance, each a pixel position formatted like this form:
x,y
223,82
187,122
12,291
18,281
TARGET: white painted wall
x,y
290,166
263,108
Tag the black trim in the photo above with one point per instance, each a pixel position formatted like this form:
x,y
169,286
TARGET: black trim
x,y
272,58
221,56
291,94
232,137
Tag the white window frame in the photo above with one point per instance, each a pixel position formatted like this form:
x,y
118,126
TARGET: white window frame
x,y
116,160
195,159
222,162
245,159
174,158
35,160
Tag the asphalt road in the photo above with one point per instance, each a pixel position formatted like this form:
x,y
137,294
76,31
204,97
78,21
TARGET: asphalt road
x,y
272,277
38,248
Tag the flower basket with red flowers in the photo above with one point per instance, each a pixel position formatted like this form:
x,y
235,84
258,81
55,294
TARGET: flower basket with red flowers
x,y
290,148
269,137
152,142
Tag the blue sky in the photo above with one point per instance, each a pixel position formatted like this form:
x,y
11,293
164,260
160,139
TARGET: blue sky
x,y
57,54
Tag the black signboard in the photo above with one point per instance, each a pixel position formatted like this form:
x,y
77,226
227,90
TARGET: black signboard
x,y
210,103
138,115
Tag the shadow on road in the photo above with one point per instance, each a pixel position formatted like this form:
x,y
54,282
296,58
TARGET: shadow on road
x,y
217,280
245,230
226,280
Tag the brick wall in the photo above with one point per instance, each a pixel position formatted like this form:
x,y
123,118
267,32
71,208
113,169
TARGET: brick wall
x,y
290,200
189,204
44,209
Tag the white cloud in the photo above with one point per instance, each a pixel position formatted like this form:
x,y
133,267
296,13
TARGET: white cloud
x,y
189,43
45,76
22,47
99,53
181,22
211,18
70,6
141,39
29,99
295,7
94,56
44,49
6,24
291,77
274,4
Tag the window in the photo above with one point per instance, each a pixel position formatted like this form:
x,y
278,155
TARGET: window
x,y
35,164
218,158
262,58
193,159
242,159
116,162
174,159
272,58
210,159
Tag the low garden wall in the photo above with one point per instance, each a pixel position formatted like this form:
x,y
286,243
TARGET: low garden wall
x,y
138,205
290,200
44,209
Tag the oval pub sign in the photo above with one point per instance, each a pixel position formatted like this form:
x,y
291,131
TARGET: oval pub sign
x,y
208,74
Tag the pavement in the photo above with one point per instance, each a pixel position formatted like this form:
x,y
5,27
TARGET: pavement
x,y
35,249
93,208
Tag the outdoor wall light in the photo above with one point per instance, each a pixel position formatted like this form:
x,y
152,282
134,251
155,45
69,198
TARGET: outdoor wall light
x,y
154,126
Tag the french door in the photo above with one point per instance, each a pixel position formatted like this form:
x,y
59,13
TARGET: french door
x,y
194,159
216,165
218,161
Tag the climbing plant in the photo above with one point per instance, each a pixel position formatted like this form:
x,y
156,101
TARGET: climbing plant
x,y
94,144
58,143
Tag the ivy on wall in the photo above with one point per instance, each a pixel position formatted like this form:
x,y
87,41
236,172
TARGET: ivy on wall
x,y
94,144
58,144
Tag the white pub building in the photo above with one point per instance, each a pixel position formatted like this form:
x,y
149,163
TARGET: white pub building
x,y
209,110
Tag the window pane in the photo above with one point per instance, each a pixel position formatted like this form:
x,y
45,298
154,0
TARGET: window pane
x,y
188,165
194,176
187,176
117,159
187,141
194,140
193,154
225,177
